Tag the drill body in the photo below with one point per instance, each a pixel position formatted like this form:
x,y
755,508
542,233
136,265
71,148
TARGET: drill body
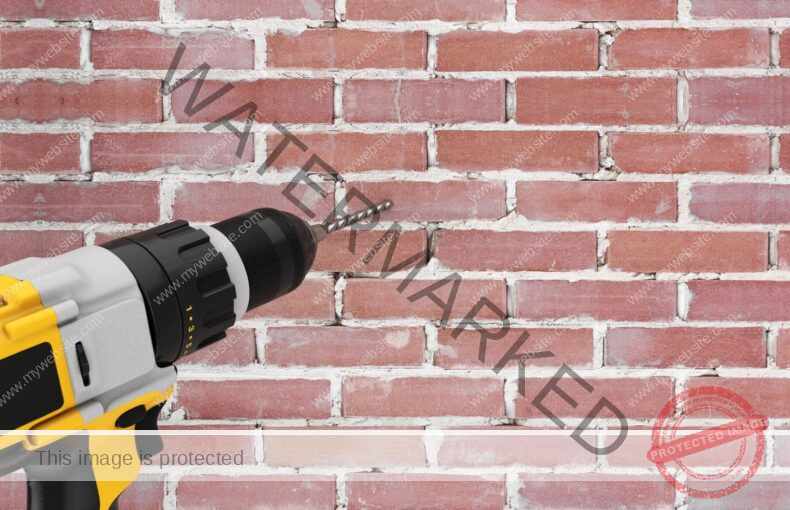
x,y
77,351
88,341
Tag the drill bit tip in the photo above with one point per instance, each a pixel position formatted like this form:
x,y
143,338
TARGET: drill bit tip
x,y
323,230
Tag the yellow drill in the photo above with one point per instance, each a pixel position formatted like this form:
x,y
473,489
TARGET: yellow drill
x,y
88,340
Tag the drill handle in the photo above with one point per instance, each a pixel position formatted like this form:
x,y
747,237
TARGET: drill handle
x,y
75,495
58,480
63,476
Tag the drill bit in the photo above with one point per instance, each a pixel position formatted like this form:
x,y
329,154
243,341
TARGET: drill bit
x,y
324,229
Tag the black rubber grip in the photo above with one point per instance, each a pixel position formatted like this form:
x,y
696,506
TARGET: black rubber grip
x,y
74,495
38,391
185,284
58,487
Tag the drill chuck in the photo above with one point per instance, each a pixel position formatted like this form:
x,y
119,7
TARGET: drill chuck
x,y
277,251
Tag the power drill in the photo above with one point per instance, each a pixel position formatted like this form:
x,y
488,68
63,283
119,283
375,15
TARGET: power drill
x,y
88,340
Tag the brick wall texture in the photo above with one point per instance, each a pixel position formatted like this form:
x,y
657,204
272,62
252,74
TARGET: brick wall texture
x,y
611,174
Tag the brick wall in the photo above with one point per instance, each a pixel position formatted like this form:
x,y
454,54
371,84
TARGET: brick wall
x,y
608,173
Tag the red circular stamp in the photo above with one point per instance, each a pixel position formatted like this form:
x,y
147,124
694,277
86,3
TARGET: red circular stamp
x,y
668,448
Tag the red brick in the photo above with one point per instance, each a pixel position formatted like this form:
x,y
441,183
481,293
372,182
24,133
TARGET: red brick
x,y
102,100
40,49
380,491
784,48
306,492
314,299
423,396
782,447
740,10
20,244
744,300
106,237
415,10
141,152
334,254
560,151
256,9
122,202
66,10
599,100
566,50
677,48
685,347
495,449
13,492
620,392
768,396
140,49
355,152
784,250
237,349
345,347
687,252
479,250
146,493
728,101
348,49
440,201
40,153
373,298
762,491
596,491
784,158
601,300
242,444
253,399
597,201
573,347
724,456
741,203
632,452
595,10
282,100
676,153
216,201
435,101
387,450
